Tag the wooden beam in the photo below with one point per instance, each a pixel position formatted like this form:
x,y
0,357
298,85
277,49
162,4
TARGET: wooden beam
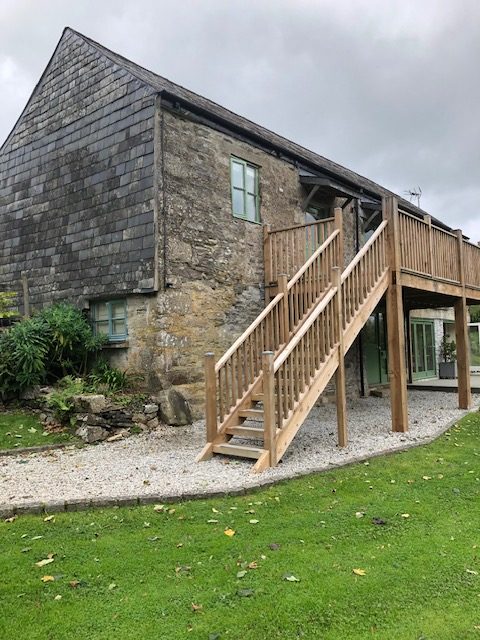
x,y
26,295
463,355
267,259
340,373
309,197
395,322
269,405
338,218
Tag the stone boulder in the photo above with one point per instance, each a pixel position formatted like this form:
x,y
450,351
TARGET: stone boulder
x,y
89,403
174,408
92,433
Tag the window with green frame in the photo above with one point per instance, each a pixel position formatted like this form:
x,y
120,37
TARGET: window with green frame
x,y
245,196
110,318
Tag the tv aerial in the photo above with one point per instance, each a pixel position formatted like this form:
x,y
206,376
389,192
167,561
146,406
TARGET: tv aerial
x,y
414,194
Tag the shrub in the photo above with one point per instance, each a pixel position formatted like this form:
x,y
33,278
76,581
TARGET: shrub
x,y
60,399
7,299
113,378
54,343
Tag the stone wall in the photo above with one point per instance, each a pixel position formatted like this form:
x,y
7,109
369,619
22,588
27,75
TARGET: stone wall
x,y
76,189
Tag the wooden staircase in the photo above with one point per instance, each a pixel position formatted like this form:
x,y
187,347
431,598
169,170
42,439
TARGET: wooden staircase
x,y
262,389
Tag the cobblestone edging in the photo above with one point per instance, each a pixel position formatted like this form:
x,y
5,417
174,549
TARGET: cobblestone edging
x,y
39,448
7,511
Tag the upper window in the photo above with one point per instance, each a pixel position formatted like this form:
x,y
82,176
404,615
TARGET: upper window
x,y
110,319
245,199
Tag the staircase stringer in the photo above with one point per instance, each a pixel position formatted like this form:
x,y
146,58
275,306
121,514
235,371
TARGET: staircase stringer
x,y
298,416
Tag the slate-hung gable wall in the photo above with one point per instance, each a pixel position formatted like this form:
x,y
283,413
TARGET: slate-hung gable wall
x,y
77,200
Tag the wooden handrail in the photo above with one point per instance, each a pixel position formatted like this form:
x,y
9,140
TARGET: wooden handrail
x,y
363,250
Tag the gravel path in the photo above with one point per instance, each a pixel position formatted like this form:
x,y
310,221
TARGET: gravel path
x,y
163,462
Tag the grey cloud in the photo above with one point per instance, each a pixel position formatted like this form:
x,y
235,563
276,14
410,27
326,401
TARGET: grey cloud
x,y
389,89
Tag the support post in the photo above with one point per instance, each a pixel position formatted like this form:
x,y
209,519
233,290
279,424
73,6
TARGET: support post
x,y
463,354
461,335
26,295
338,215
269,440
267,260
341,396
210,397
284,319
397,372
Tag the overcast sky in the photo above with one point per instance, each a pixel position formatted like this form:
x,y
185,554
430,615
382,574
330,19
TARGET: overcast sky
x,y
390,89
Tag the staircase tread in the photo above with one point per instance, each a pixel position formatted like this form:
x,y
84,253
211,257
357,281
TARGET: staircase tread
x,y
242,451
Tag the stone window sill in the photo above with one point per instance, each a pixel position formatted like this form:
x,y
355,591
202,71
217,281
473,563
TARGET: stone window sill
x,y
116,345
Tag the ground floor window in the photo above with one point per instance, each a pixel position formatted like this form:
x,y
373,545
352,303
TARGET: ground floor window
x,y
109,318
423,349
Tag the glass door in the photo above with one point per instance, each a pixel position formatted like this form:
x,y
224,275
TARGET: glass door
x,y
423,349
375,349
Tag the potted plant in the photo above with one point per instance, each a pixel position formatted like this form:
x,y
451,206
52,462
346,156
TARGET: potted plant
x,y
447,368
7,315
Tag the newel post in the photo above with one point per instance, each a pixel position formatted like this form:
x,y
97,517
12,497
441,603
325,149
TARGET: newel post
x,y
267,259
284,313
340,386
269,405
338,216
210,397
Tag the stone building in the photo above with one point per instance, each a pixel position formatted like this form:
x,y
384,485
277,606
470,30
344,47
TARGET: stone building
x,y
144,203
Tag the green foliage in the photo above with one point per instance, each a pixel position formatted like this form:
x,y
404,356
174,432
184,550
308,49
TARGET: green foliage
x,y
474,313
54,343
448,350
23,355
104,374
7,301
61,398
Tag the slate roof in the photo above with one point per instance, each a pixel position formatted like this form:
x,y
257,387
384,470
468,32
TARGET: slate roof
x,y
230,120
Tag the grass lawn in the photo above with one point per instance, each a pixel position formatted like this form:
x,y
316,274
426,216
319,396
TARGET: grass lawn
x,y
388,549
24,430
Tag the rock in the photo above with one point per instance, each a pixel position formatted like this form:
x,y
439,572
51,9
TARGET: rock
x,y
95,421
91,434
118,436
43,417
30,394
153,423
139,418
89,403
174,408
150,409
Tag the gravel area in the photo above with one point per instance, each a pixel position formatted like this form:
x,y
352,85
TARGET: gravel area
x,y
163,462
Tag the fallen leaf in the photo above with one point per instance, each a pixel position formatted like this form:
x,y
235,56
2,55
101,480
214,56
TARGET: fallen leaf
x,y
229,532
112,586
158,507
212,521
47,579
36,538
74,583
241,574
42,563
171,512
253,565
245,593
215,510
472,572
49,519
26,549
253,521
290,577
196,607
214,636
427,477
58,597
359,572
274,546
32,430
405,515
12,519
359,514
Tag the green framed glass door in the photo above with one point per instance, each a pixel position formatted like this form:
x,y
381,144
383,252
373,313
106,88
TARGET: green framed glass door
x,y
375,349
423,349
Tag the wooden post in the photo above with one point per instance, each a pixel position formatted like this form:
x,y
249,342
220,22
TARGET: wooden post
x,y
269,441
395,321
284,314
210,397
461,335
26,295
463,354
429,256
338,215
340,373
267,259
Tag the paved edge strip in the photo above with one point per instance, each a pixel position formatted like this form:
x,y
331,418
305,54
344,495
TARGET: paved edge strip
x,y
38,449
80,504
